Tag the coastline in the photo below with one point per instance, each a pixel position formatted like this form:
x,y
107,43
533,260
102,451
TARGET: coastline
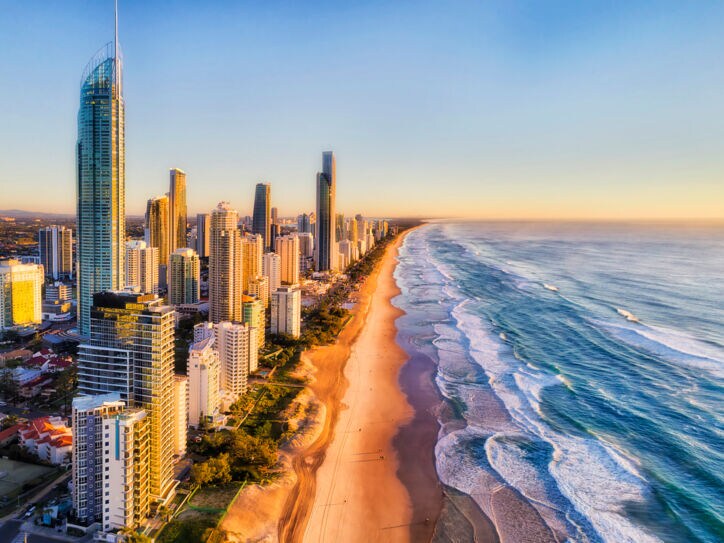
x,y
348,489
282,510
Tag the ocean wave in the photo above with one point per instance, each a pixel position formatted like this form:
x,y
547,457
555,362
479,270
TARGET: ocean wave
x,y
589,474
673,346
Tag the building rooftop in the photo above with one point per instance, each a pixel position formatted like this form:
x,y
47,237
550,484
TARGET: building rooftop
x,y
85,403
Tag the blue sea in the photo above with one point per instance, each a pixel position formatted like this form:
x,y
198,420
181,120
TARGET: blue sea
x,y
584,367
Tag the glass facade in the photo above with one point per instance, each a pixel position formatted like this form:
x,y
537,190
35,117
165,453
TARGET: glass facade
x,y
325,253
262,213
100,162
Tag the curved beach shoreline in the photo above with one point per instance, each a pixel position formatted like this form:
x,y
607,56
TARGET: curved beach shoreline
x,y
348,488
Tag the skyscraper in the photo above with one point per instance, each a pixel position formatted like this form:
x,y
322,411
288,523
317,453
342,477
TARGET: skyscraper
x,y
325,252
142,267
253,252
183,277
262,213
203,224
55,245
131,351
177,210
286,310
225,265
274,215
157,228
101,179
287,247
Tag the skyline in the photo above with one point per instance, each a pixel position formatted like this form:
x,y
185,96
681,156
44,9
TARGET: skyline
x,y
512,107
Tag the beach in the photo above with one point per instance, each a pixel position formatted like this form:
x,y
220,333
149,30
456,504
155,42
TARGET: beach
x,y
345,479
359,494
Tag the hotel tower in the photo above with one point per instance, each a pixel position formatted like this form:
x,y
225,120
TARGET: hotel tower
x,y
325,254
101,179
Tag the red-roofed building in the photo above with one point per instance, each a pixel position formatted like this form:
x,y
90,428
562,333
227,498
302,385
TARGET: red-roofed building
x,y
47,437
9,435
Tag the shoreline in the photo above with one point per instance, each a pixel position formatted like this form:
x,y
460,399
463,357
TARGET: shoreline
x,y
348,488
281,510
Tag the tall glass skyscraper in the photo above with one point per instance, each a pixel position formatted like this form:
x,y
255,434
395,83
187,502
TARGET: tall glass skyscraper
x,y
325,253
157,229
262,213
177,210
101,185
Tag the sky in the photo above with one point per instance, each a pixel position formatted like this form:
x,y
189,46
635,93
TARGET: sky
x,y
555,110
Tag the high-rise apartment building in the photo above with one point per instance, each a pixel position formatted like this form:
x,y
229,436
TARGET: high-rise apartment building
x,y
131,351
237,345
253,314
126,466
325,248
274,215
89,488
225,266
157,227
101,180
183,277
181,402
272,268
262,213
286,310
177,210
204,371
142,267
287,247
253,253
203,234
21,294
259,288
55,248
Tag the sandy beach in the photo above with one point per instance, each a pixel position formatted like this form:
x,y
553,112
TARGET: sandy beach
x,y
344,481
357,494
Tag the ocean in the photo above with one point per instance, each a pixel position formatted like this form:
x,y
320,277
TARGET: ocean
x,y
582,365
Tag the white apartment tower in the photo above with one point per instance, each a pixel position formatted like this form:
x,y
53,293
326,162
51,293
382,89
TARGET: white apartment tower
x,y
142,267
88,473
126,464
225,265
237,346
204,385
272,268
286,310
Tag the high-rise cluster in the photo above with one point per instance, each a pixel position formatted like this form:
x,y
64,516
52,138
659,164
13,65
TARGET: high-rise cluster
x,y
131,417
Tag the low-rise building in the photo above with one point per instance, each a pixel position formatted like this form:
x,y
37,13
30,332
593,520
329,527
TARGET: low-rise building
x,y
49,438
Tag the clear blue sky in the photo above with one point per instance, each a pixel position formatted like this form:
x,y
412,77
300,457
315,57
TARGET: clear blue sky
x,y
488,109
